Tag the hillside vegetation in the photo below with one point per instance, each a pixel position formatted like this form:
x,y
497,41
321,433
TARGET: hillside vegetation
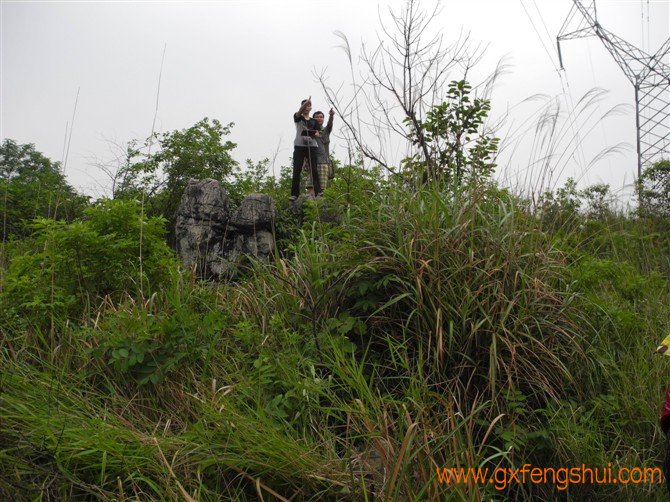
x,y
436,325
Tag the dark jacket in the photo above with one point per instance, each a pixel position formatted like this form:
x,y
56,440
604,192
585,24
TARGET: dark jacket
x,y
665,412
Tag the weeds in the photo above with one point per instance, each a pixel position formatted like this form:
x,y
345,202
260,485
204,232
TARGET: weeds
x,y
427,329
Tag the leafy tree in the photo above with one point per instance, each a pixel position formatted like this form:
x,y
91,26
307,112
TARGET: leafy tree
x,y
599,201
252,178
654,190
560,210
196,152
454,139
31,186
71,266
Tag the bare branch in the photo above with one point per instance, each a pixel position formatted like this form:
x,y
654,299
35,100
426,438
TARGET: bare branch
x,y
397,81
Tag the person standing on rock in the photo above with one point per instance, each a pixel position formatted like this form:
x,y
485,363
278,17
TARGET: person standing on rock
x,y
304,147
324,168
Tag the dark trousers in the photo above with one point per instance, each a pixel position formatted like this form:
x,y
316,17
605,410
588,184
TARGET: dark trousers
x,y
300,153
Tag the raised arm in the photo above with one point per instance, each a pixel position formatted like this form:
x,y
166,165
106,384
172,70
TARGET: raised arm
x,y
303,107
329,125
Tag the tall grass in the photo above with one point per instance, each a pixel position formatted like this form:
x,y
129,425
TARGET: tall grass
x,y
478,288
427,329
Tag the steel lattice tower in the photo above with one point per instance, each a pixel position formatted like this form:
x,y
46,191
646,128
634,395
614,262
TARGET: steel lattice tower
x,y
649,75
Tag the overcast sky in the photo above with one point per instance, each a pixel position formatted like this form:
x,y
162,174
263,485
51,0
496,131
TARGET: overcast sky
x,y
251,62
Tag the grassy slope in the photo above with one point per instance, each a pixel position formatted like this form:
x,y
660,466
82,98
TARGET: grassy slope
x,y
425,330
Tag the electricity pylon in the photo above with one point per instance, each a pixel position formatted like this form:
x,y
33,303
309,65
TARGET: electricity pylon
x,y
648,73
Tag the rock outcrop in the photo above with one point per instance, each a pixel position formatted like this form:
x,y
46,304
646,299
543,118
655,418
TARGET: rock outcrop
x,y
211,239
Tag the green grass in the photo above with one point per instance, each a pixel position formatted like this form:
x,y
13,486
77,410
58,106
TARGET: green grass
x,y
425,330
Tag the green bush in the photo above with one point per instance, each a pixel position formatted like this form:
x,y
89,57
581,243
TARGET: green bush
x,y
467,277
33,186
177,328
72,266
654,191
426,327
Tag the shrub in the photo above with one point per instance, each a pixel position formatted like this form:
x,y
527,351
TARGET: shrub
x,y
177,328
32,186
654,190
72,266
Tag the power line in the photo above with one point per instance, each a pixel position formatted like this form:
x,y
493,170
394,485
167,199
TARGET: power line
x,y
650,77
642,23
542,19
648,39
580,158
74,111
539,36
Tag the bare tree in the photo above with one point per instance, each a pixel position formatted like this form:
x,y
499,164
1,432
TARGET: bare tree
x,y
117,168
399,81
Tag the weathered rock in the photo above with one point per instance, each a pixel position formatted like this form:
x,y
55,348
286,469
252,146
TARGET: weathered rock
x,y
200,225
259,244
214,243
257,212
204,201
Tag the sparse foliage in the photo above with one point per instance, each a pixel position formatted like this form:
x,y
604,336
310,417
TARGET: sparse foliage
x,y
401,80
455,142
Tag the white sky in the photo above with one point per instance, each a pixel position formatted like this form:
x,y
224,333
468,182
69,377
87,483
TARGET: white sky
x,y
251,62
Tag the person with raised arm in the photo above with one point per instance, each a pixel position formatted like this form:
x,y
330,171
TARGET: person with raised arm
x,y
304,147
324,167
